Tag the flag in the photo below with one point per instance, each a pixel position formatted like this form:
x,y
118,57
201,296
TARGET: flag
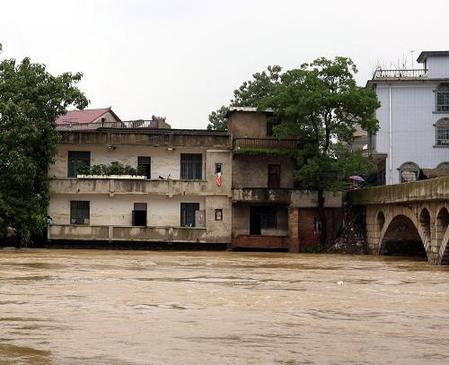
x,y
218,179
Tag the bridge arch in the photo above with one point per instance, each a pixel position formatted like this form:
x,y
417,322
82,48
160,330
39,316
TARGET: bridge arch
x,y
442,235
403,234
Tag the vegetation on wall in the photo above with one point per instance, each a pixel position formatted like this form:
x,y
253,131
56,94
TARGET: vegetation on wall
x,y
30,101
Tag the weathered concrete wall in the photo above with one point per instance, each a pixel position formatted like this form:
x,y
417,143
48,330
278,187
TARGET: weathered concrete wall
x,y
248,124
309,199
163,162
252,171
117,210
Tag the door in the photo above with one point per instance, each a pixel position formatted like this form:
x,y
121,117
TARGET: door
x,y
274,176
255,222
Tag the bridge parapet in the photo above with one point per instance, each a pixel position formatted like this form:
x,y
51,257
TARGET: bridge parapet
x,y
417,191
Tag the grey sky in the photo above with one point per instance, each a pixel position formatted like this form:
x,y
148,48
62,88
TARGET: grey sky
x,y
183,59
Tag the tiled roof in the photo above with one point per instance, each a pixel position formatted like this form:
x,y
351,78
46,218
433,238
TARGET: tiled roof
x,y
82,116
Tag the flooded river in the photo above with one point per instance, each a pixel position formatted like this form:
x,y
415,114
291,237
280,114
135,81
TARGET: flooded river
x,y
123,307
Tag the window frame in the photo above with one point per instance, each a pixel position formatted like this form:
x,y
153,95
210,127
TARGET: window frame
x,y
77,210
218,214
191,166
442,132
442,107
71,168
184,211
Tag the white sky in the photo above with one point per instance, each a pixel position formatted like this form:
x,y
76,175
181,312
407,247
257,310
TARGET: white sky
x,y
183,58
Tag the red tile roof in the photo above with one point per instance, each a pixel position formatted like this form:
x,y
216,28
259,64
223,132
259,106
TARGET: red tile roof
x,y
83,116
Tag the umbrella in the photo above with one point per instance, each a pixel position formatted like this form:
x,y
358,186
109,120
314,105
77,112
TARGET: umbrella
x,y
357,178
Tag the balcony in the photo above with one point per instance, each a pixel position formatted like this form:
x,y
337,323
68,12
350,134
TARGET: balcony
x,y
264,143
262,195
400,74
126,233
128,186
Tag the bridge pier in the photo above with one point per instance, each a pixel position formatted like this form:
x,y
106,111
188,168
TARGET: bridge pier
x,y
410,218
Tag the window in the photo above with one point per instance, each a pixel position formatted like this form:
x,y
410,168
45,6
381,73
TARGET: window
x,y
443,101
188,211
191,166
218,214
77,159
267,214
140,214
218,168
274,176
79,212
409,171
442,132
144,166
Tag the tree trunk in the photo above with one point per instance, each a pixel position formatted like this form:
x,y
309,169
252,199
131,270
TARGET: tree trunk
x,y
322,216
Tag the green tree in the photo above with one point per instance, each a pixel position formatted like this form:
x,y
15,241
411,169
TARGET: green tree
x,y
250,93
321,105
30,101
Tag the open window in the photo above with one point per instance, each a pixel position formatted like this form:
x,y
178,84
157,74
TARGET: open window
x,y
140,214
188,212
77,159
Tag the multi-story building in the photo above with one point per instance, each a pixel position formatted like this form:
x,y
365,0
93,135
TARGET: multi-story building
x,y
413,138
199,187
180,198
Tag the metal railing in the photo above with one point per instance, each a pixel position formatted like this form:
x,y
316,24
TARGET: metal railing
x,y
257,143
400,73
117,125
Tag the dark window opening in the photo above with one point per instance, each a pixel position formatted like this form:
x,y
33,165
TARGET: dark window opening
x,y
188,211
140,214
263,217
79,212
218,168
144,166
77,159
274,176
191,166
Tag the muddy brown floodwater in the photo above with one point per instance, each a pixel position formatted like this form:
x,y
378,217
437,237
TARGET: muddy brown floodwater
x,y
128,307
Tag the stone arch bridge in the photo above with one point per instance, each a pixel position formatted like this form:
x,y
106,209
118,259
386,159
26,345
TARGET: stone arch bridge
x,y
409,218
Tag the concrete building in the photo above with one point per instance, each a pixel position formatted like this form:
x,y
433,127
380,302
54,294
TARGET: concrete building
x,y
197,187
179,198
413,138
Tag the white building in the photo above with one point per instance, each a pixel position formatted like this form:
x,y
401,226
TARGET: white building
x,y
414,119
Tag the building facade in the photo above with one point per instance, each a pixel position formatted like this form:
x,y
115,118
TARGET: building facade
x,y
413,138
234,189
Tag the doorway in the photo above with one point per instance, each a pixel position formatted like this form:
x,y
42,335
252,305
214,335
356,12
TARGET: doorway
x,y
140,214
255,222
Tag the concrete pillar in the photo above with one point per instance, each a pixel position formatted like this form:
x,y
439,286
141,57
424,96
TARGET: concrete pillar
x,y
293,230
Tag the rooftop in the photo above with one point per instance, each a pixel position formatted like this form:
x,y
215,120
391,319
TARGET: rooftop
x,y
86,116
424,54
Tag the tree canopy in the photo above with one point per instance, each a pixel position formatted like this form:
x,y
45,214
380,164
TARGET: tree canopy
x,y
321,105
250,93
30,101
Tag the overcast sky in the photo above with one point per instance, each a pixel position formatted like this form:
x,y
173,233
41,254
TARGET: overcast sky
x,y
183,58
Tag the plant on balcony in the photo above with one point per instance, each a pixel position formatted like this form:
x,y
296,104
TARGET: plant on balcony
x,y
30,101
109,170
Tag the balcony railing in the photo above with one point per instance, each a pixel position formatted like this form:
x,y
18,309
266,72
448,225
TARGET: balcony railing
x,y
133,124
265,143
400,74
262,195
126,233
165,187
